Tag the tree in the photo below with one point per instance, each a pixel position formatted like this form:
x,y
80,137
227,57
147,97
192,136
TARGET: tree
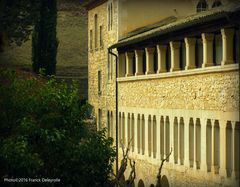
x,y
43,133
17,18
44,41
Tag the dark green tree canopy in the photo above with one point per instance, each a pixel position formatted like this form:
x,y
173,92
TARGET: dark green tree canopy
x,y
17,18
44,38
44,133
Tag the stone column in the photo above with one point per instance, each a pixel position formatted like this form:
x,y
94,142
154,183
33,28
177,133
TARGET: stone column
x,y
207,49
135,133
175,56
152,137
233,151
129,63
179,143
126,130
227,42
222,170
186,145
121,65
165,139
213,146
146,136
139,62
140,138
158,134
203,166
161,55
149,60
190,52
171,126
195,146
119,129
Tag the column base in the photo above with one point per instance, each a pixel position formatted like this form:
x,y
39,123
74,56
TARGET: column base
x,y
215,169
174,69
208,64
161,71
149,72
171,160
129,75
186,163
203,167
225,62
138,73
223,172
190,67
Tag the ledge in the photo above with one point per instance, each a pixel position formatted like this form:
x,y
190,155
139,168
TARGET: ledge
x,y
181,73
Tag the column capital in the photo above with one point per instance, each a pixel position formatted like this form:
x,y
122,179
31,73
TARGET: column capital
x,y
121,53
223,124
139,52
129,54
175,45
227,32
207,37
161,47
190,41
227,42
150,50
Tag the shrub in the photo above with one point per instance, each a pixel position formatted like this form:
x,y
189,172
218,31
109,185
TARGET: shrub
x,y
43,133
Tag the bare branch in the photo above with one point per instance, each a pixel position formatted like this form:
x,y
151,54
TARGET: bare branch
x,y
160,169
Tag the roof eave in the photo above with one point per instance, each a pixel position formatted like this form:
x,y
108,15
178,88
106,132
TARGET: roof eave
x,y
208,19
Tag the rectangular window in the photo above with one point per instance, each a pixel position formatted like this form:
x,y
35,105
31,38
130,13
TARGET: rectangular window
x,y
96,30
101,36
110,16
91,40
99,83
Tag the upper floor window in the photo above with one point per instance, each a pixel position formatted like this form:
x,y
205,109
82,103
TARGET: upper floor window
x,y
216,3
96,29
90,40
101,36
110,16
99,82
202,6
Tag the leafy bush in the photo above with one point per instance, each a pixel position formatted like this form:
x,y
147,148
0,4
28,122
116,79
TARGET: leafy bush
x,y
43,133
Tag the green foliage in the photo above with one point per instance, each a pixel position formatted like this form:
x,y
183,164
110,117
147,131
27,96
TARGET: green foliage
x,y
43,133
44,41
17,18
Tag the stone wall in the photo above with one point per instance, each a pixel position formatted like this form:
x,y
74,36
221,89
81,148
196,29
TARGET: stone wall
x,y
210,91
98,61
204,93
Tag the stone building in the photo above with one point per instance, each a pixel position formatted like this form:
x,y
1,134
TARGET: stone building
x,y
177,86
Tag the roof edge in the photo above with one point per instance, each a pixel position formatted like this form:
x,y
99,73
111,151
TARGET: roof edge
x,y
94,3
